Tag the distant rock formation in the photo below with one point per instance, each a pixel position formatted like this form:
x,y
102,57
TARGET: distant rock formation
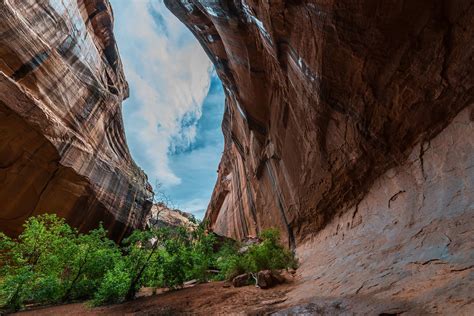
x,y
62,143
162,216
349,126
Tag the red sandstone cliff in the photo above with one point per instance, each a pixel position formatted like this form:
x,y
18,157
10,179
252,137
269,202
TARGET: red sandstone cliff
x,y
62,144
349,126
323,97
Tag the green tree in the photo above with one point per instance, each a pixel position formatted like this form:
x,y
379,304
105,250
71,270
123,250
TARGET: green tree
x,y
141,248
114,286
94,256
269,254
202,253
33,264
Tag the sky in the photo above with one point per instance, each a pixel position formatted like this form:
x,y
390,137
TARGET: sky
x,y
173,115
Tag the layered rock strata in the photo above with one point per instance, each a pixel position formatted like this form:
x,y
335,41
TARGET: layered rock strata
x,y
323,97
349,126
62,143
163,216
407,247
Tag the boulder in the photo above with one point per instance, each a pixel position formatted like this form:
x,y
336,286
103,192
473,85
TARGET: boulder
x,y
267,279
241,280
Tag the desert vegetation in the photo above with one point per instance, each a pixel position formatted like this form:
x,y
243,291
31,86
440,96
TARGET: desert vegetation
x,y
52,263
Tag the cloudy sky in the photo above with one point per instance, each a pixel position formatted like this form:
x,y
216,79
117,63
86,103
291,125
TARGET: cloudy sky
x,y
172,118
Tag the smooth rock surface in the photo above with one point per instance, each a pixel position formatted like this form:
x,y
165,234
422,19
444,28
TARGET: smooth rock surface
x,y
62,143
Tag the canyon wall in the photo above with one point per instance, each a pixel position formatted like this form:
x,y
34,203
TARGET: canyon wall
x,y
62,143
323,97
408,246
349,126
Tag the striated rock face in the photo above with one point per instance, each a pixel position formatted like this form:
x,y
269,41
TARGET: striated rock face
x,y
323,97
349,126
407,246
162,216
62,144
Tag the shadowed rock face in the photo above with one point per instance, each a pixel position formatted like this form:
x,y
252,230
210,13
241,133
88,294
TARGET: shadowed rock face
x,y
323,97
349,126
62,144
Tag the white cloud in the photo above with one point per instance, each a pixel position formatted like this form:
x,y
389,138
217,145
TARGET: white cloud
x,y
169,77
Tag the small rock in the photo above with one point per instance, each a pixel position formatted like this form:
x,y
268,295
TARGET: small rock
x,y
267,279
287,276
241,280
243,250
248,242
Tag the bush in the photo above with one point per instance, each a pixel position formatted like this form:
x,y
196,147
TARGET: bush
x,y
229,262
12,293
95,255
267,255
114,287
51,262
202,254
34,263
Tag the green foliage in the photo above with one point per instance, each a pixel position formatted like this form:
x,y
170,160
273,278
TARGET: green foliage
x,y
33,265
267,255
51,262
114,286
229,262
95,255
202,254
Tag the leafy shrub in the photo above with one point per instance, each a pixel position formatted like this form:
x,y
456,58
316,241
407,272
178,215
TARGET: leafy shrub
x,y
267,255
51,262
114,286
12,292
95,255
202,254
229,262
33,264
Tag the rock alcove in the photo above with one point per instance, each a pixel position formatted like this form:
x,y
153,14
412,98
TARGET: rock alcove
x,y
348,126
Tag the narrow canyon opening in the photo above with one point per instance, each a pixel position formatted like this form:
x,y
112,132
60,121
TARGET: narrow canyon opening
x,y
174,112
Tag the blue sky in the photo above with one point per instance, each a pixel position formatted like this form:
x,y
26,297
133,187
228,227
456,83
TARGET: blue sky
x,y
173,115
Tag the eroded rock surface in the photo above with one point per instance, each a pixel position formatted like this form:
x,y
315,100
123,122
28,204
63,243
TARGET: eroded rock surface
x,y
408,246
349,126
163,216
62,144
323,97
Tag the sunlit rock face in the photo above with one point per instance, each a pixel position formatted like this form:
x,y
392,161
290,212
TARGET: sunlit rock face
x,y
62,143
349,126
162,216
